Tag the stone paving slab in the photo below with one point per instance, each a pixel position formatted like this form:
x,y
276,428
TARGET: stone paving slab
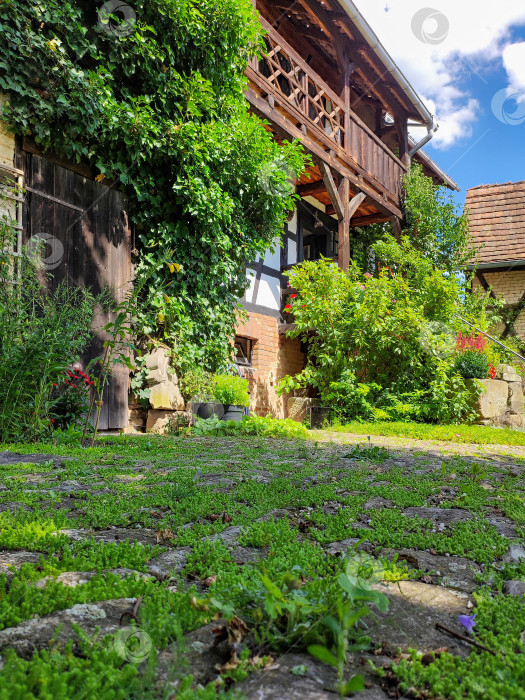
x,y
32,635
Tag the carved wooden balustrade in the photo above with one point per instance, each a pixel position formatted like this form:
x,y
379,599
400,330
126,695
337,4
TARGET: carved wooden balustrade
x,y
302,99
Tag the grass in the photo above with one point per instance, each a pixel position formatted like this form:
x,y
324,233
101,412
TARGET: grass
x,y
188,491
464,434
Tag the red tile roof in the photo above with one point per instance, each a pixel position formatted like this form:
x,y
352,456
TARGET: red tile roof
x,y
497,221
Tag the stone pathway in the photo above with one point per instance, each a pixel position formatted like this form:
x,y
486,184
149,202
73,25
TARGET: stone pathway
x,y
440,528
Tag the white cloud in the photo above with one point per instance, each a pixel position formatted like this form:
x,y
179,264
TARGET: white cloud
x,y
514,62
459,44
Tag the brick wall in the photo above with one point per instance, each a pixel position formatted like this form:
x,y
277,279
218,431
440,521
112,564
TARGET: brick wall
x,y
509,287
274,356
7,141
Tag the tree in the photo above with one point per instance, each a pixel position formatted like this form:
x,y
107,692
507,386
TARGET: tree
x,y
436,225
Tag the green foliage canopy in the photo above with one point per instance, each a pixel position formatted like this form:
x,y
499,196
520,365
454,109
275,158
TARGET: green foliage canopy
x,y
437,226
157,107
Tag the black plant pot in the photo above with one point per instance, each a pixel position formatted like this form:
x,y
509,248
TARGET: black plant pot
x,y
319,417
232,412
207,409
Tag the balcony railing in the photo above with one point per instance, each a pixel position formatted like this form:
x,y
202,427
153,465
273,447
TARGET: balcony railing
x,y
309,101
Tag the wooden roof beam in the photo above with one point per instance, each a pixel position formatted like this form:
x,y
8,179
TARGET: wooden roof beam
x,y
327,23
310,189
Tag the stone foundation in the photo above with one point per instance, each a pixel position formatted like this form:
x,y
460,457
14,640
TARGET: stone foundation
x,y
502,401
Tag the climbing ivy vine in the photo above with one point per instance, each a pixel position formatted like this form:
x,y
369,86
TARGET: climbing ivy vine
x,y
152,97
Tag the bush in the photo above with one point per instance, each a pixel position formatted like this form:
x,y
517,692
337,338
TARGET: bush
x,y
42,335
266,426
472,364
230,390
381,347
71,400
196,383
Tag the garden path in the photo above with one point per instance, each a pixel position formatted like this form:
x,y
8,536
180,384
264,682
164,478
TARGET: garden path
x,y
163,533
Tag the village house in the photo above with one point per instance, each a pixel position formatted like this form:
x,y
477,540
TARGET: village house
x,y
497,224
324,79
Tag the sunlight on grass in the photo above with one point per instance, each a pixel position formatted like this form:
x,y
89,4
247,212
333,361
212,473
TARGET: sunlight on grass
x,y
476,434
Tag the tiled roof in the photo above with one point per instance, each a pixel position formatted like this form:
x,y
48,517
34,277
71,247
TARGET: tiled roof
x,y
497,221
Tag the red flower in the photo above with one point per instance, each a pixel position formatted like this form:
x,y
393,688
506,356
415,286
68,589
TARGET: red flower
x,y
492,371
52,420
55,384
303,306
293,296
288,308
74,386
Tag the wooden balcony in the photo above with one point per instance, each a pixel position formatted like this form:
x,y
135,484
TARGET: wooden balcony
x,y
299,104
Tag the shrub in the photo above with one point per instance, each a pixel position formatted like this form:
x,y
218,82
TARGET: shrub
x,y
42,335
381,346
472,364
266,426
71,400
196,383
37,346
230,390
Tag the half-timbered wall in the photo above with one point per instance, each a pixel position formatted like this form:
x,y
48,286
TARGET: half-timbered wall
x,y
273,355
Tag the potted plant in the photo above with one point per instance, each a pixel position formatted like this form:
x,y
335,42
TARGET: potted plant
x,y
232,392
196,388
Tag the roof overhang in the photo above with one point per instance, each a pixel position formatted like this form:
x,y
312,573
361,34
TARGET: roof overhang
x,y
434,167
499,266
387,61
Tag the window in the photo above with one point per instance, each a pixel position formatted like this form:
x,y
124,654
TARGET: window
x,y
243,351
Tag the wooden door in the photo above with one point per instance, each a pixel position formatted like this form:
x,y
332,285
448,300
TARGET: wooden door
x,y
85,226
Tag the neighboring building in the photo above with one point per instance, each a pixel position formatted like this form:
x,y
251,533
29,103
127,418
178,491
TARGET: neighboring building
x,y
326,80
497,224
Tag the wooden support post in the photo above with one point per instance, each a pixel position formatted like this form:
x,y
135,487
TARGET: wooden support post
x,y
402,133
355,203
331,188
344,225
396,227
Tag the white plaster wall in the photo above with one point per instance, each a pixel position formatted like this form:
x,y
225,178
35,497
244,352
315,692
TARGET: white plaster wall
x,y
269,293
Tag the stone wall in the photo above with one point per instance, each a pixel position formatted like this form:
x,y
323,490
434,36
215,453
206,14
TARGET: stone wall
x,y
502,402
273,357
508,287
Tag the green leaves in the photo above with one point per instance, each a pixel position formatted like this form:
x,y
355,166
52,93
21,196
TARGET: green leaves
x,y
162,111
323,654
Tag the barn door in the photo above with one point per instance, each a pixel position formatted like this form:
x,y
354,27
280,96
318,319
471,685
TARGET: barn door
x,y
85,227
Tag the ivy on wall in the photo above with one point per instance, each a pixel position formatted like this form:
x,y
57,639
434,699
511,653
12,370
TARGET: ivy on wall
x,y
153,98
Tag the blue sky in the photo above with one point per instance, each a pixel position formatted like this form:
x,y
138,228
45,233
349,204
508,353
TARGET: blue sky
x,y
466,59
